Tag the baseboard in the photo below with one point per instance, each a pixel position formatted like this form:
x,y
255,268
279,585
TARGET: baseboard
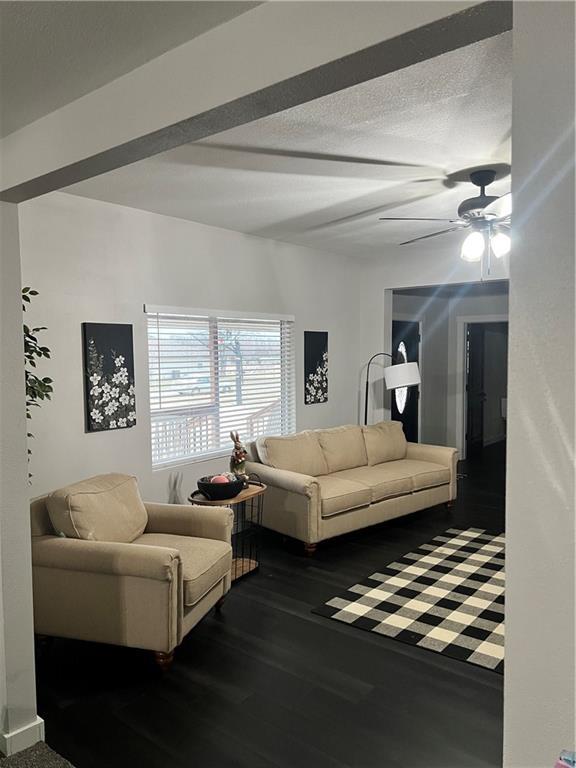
x,y
22,738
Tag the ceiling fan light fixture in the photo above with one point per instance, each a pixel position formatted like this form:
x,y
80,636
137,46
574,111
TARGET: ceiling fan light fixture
x,y
501,208
473,247
500,244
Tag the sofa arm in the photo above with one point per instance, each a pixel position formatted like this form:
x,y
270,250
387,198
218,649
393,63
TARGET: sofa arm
x,y
105,557
190,520
305,485
439,454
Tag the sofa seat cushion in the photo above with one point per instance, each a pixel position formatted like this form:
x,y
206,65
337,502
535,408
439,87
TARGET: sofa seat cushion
x,y
397,478
426,474
338,494
343,447
296,453
385,481
385,442
204,561
102,508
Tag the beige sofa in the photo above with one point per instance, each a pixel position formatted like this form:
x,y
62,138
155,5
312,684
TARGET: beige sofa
x,y
324,483
112,569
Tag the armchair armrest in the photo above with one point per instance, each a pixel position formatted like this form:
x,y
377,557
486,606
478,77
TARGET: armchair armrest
x,y
305,485
105,557
190,520
108,592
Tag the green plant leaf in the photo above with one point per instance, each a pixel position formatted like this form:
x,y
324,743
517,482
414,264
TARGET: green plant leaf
x,y
37,389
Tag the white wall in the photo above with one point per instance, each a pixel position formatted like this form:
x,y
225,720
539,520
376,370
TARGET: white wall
x,y
443,359
540,676
93,261
19,725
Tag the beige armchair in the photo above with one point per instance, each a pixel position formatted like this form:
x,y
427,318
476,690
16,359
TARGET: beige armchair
x,y
109,568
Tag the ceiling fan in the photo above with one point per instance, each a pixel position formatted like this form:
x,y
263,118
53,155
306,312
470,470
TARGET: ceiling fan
x,y
488,216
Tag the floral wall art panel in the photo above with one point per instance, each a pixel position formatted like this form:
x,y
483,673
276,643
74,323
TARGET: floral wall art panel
x,y
315,367
108,376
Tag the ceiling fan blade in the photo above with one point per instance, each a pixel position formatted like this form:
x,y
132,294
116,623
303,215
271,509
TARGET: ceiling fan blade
x,y
307,163
499,209
377,202
433,234
409,218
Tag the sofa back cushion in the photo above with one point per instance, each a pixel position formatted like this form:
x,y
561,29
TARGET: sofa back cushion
x,y
252,450
343,447
40,524
102,508
296,453
384,442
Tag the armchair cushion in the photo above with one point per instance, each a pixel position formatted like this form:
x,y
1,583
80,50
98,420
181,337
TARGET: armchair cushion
x,y
102,508
190,520
205,562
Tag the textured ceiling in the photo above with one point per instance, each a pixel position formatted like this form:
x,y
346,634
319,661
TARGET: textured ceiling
x,y
320,174
54,52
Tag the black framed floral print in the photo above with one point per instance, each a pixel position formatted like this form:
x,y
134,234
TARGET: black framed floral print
x,y
108,376
315,367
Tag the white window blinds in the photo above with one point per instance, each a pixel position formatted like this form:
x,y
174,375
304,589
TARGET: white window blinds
x,y
210,375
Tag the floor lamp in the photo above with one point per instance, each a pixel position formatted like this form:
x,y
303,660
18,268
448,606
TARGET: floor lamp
x,y
399,374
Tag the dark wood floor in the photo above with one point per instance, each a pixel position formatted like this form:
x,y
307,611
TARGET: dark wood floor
x,y
267,683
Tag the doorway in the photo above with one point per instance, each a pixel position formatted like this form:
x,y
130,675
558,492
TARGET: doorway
x,y
405,400
486,387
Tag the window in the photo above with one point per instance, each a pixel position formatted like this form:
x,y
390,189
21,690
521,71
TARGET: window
x,y
212,373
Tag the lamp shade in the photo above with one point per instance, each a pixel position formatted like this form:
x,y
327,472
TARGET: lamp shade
x,y
402,375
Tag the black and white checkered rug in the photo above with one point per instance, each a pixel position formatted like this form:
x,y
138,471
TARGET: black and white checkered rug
x,y
447,596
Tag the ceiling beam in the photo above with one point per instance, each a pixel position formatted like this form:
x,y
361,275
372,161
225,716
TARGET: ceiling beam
x,y
301,55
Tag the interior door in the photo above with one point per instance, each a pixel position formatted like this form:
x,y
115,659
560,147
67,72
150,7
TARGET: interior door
x,y
405,401
475,394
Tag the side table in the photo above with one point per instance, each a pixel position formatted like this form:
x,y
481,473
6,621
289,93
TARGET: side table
x,y
247,508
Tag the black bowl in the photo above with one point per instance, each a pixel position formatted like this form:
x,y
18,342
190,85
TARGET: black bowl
x,y
219,491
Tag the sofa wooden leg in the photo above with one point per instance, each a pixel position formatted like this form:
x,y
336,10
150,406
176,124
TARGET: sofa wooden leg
x,y
220,603
164,660
449,504
310,549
